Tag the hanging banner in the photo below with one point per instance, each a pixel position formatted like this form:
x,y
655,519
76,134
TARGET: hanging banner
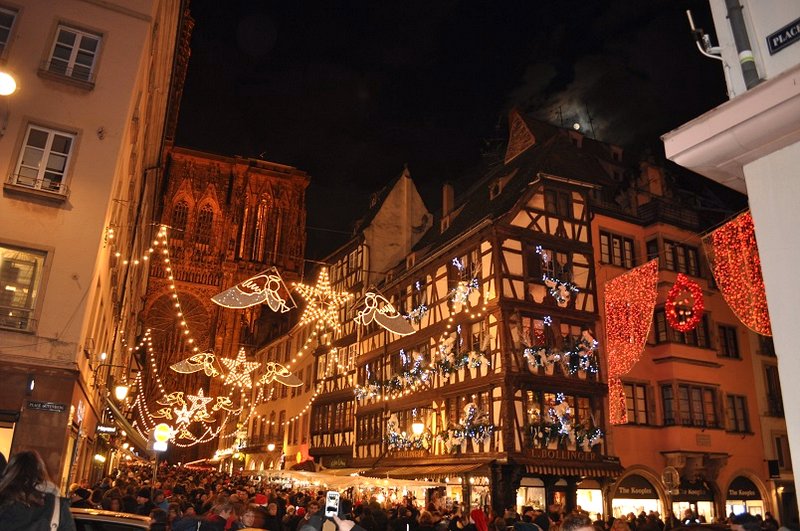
x,y
630,300
732,252
267,286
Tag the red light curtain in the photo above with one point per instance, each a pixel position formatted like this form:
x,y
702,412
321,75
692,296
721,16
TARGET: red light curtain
x,y
732,252
630,300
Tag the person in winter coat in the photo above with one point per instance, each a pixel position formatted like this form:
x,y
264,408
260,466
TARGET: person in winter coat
x,y
28,499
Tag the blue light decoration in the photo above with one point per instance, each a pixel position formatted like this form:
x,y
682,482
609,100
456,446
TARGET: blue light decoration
x,y
460,294
400,440
473,426
416,314
581,356
558,426
560,290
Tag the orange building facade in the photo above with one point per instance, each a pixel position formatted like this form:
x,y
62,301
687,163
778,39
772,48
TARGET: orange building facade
x,y
692,399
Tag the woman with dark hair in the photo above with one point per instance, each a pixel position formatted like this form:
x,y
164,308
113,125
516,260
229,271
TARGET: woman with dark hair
x,y
28,499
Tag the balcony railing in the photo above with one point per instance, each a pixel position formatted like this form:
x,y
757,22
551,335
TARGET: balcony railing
x,y
15,318
79,75
48,187
659,210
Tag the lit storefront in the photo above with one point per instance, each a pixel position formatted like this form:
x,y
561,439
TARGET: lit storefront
x,y
589,497
696,496
743,497
531,493
635,494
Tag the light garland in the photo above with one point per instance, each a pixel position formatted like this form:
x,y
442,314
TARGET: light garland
x,y
397,440
239,370
732,252
581,357
630,301
416,376
474,425
275,372
560,290
681,315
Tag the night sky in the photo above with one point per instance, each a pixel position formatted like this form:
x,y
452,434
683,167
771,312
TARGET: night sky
x,y
351,91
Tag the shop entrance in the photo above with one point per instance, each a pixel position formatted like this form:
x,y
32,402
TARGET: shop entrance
x,y
694,502
635,494
743,497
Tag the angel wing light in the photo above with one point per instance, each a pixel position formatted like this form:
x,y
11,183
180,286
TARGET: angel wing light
x,y
267,286
204,361
275,372
379,309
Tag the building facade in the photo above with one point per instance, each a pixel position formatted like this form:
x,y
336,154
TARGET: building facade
x,y
227,219
81,149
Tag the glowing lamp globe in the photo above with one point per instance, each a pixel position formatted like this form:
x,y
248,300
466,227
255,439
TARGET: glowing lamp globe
x,y
271,447
121,392
162,433
417,428
8,85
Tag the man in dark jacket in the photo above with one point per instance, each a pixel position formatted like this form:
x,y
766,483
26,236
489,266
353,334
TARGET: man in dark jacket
x,y
144,505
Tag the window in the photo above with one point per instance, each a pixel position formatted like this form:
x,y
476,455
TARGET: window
x,y
7,18
652,249
737,414
765,346
205,222
308,380
728,345
44,160
180,214
20,284
774,395
668,399
681,258
636,403
558,202
695,338
616,250
782,452
74,54
697,406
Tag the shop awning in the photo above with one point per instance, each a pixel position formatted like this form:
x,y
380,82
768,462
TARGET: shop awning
x,y
131,433
598,470
435,472
742,488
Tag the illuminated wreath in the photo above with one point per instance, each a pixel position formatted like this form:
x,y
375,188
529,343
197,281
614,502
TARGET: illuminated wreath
x,y
681,315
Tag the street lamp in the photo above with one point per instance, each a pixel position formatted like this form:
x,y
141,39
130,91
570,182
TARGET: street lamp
x,y
271,447
121,392
417,427
8,85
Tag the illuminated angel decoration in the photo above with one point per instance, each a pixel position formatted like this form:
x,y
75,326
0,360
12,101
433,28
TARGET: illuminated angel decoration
x,y
225,403
377,308
239,370
172,399
204,361
275,372
267,286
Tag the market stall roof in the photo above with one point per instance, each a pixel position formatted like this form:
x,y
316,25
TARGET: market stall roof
x,y
340,481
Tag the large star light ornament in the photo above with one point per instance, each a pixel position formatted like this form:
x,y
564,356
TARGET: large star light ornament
x,y
239,370
322,303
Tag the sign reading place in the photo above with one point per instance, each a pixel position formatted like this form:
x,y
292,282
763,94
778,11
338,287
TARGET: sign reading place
x,y
52,407
789,34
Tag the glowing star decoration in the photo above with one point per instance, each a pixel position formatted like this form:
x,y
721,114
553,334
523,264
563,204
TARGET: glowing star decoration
x,y
682,314
275,372
239,370
199,401
377,308
732,252
205,361
267,286
322,303
630,303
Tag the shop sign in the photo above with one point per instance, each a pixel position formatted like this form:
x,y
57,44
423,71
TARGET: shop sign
x,y
694,491
52,407
337,462
742,488
635,486
564,455
106,429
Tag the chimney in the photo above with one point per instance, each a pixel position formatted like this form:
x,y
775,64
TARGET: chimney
x,y
448,198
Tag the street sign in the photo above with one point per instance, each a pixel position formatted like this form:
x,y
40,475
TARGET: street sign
x,y
52,407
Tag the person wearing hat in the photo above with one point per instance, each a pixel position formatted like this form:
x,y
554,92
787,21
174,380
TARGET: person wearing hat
x,y
144,506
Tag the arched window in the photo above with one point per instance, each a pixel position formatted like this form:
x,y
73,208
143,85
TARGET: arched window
x,y
180,214
205,222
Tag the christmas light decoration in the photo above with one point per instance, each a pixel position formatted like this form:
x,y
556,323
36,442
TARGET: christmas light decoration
x,y
397,440
322,303
205,361
560,290
239,370
416,314
732,252
630,300
682,314
377,308
474,425
558,426
275,372
267,286
417,376
582,356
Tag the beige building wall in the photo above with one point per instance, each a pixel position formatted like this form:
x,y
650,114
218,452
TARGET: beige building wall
x,y
109,96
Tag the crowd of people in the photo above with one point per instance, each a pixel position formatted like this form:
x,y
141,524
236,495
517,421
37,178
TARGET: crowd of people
x,y
180,499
